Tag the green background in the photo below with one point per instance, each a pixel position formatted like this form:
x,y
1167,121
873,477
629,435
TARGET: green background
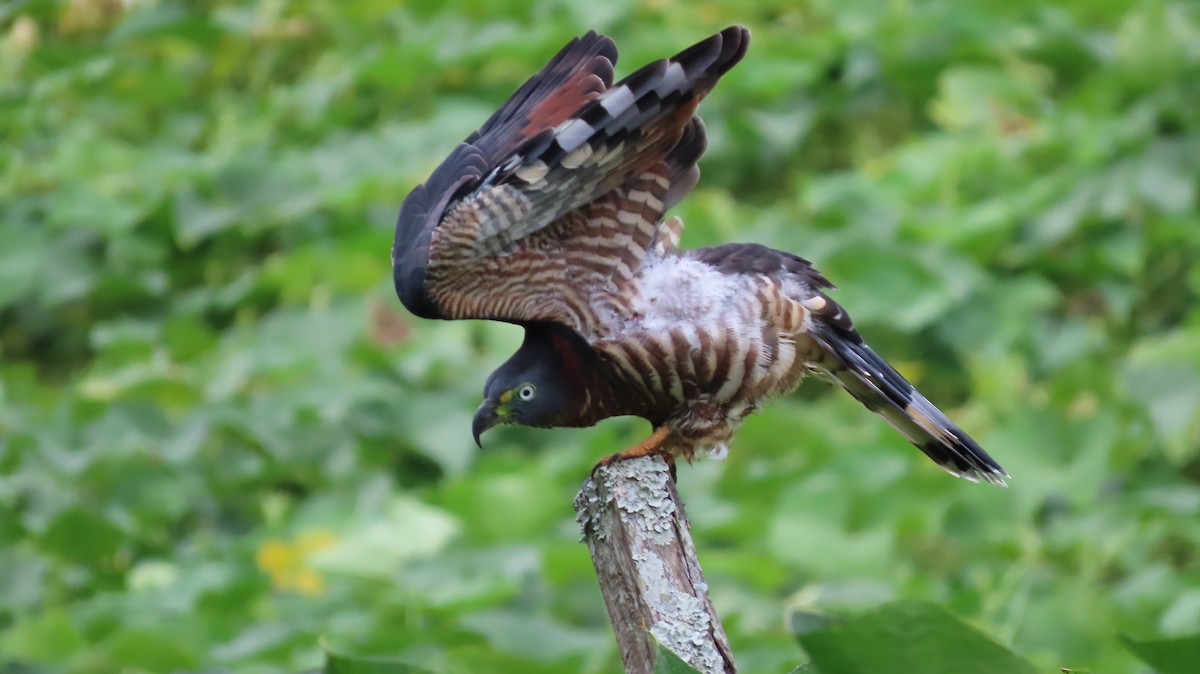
x,y
222,439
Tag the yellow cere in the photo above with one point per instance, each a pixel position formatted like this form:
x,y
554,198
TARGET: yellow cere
x,y
506,397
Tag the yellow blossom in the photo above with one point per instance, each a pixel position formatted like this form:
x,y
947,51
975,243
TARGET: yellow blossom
x,y
286,561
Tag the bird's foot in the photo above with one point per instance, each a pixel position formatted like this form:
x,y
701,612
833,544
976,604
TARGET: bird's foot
x,y
655,445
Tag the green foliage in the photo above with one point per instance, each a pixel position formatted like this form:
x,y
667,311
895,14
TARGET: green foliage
x,y
221,439
666,662
346,664
908,637
1168,656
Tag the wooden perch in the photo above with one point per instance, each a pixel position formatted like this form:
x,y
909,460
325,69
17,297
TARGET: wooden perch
x,y
635,527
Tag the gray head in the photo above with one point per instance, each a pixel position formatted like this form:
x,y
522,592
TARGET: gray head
x,y
541,385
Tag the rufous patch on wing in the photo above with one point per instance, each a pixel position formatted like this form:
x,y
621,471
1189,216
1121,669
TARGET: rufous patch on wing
x,y
565,102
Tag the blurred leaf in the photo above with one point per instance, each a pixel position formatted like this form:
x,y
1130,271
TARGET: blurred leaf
x,y
666,662
255,640
149,650
908,637
410,530
81,535
1167,656
1183,615
46,638
803,621
535,638
1163,373
336,663
985,97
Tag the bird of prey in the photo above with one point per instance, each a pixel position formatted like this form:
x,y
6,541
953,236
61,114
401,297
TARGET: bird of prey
x,y
551,216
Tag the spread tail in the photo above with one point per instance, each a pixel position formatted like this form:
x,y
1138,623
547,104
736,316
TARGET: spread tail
x,y
867,377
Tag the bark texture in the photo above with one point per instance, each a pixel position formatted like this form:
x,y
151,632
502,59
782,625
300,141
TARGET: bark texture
x,y
638,534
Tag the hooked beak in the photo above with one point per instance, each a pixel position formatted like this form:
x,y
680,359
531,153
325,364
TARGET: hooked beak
x,y
485,418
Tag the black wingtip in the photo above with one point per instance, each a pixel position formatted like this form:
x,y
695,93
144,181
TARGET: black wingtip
x,y
966,460
735,40
716,54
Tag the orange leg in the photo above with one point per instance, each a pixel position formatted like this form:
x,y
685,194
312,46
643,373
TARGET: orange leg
x,y
656,444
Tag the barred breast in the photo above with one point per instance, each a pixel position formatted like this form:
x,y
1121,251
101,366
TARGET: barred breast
x,y
702,348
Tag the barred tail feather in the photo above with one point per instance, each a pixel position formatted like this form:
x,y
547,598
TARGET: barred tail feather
x,y
877,385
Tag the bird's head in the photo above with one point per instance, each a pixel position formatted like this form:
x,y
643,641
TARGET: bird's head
x,y
538,386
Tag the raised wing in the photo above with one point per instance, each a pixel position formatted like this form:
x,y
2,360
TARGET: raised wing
x,y
562,190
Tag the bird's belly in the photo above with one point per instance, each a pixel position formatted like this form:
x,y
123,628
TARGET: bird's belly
x,y
729,361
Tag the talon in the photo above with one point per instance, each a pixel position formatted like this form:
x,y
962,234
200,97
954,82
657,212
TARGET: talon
x,y
654,445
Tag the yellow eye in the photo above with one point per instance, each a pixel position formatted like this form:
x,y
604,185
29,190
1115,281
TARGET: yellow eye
x,y
527,392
